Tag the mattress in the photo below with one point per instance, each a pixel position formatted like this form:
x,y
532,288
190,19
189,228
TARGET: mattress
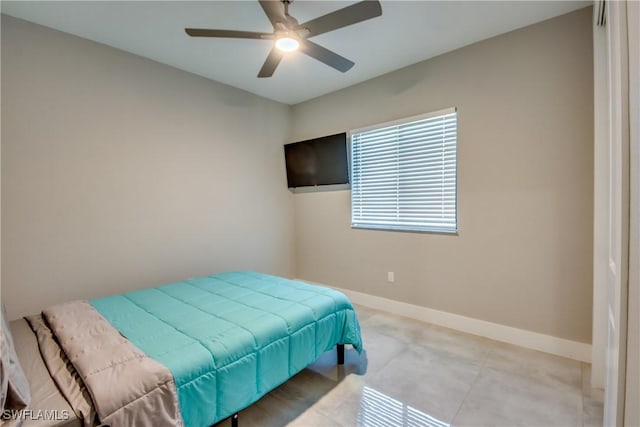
x,y
47,403
230,338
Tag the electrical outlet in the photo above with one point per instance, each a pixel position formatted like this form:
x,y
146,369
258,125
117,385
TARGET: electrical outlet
x,y
390,277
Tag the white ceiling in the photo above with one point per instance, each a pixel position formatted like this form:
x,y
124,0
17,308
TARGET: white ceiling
x,y
407,32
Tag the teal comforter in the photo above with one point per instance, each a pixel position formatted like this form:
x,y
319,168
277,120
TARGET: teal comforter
x,y
230,338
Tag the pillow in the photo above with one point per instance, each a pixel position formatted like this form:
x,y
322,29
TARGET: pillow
x,y
15,388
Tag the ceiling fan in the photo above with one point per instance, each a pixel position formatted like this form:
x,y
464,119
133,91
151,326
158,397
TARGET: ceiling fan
x,y
289,35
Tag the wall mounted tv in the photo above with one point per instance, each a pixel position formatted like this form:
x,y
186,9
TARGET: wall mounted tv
x,y
317,162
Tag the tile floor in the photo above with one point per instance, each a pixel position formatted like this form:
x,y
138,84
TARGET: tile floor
x,y
417,374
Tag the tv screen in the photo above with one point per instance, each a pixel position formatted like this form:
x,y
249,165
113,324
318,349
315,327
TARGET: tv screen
x,y
320,161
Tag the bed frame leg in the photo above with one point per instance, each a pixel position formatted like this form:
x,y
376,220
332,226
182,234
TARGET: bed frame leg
x,y
340,350
234,420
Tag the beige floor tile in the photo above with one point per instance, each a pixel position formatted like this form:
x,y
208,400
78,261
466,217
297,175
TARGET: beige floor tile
x,y
593,413
414,374
313,418
506,398
375,408
450,342
354,363
402,329
558,371
380,349
431,382
593,398
343,402
364,313
268,412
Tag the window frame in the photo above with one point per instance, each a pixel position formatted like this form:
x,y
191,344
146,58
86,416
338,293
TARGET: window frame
x,y
402,228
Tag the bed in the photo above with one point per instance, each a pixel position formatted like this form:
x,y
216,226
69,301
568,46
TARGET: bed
x,y
225,340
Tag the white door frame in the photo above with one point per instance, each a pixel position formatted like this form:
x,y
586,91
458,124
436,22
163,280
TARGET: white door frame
x,y
632,406
619,164
600,197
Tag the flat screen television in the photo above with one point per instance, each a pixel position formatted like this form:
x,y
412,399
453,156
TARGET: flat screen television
x,y
319,161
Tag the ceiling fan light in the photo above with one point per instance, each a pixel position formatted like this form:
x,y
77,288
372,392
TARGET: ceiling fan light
x,y
287,44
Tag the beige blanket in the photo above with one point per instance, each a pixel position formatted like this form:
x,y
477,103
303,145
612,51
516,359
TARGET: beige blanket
x,y
127,387
62,372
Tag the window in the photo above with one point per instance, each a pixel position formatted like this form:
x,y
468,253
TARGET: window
x,y
403,174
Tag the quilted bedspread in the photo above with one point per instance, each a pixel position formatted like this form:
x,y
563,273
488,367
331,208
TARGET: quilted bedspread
x,y
230,338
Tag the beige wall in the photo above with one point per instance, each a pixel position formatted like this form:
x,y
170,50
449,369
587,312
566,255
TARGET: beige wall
x,y
119,172
523,256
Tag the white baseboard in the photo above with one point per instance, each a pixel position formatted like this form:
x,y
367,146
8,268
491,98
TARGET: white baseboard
x,y
495,331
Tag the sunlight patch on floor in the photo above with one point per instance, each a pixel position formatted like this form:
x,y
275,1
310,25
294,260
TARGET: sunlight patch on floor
x,y
378,409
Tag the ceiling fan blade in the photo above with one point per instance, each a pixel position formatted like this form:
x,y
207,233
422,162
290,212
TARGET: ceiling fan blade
x,y
272,61
349,15
202,32
274,11
326,56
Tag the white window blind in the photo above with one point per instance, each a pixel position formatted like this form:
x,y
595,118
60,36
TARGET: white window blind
x,y
403,174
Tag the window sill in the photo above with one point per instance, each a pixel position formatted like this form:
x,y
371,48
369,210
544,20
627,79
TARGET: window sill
x,y
406,230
